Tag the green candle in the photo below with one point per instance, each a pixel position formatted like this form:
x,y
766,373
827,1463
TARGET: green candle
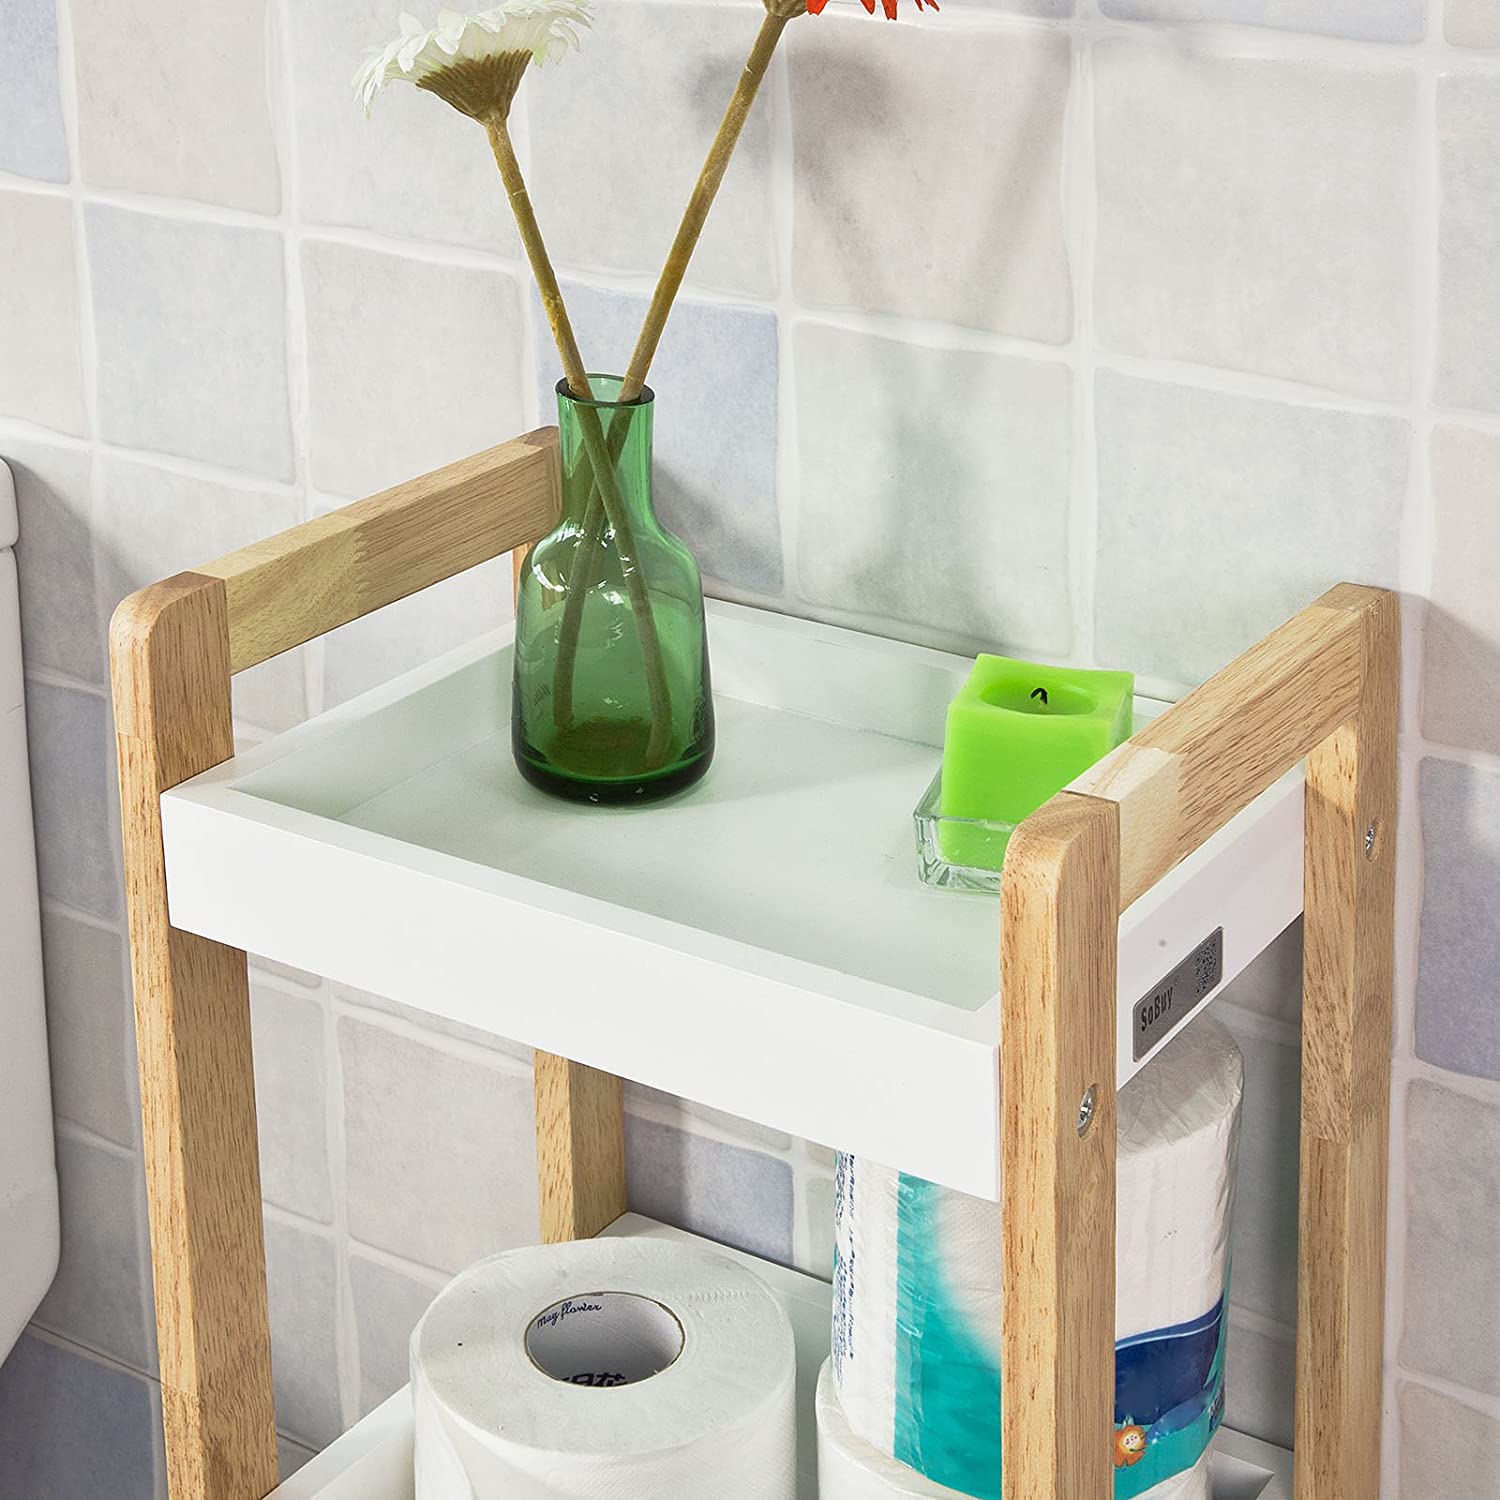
x,y
1017,733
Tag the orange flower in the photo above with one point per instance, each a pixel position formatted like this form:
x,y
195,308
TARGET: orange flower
x,y
815,7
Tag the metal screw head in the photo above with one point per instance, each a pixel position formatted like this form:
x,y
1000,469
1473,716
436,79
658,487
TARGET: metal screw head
x,y
1371,834
1086,1112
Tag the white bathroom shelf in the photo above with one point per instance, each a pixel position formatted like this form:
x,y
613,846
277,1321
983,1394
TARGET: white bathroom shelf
x,y
373,1460
763,945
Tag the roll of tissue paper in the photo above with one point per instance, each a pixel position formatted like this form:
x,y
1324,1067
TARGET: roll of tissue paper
x,y
916,1308
850,1469
602,1370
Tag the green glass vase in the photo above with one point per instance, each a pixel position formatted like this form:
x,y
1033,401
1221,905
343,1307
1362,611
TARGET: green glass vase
x,y
611,697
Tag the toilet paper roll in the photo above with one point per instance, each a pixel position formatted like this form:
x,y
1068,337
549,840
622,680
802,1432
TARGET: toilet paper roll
x,y
851,1469
604,1370
916,1336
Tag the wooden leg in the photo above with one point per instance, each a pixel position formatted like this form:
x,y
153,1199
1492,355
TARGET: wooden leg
x,y
580,1148
170,662
1060,899
1346,1068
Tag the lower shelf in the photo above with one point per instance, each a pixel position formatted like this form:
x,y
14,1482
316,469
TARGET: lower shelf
x,y
373,1460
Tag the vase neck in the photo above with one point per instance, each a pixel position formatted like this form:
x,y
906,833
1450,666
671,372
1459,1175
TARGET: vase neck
x,y
621,432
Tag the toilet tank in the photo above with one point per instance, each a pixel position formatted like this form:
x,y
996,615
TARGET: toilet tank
x,y
28,1170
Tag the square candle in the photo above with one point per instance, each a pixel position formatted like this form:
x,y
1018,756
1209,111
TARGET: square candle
x,y
1018,733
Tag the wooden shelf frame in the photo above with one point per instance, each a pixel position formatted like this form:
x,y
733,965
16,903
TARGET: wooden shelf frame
x,y
1323,687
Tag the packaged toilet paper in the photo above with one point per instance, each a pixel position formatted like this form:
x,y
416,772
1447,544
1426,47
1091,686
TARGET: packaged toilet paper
x,y
916,1335
601,1370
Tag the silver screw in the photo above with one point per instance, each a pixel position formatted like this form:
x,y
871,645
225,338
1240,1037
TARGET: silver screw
x,y
1370,841
1086,1112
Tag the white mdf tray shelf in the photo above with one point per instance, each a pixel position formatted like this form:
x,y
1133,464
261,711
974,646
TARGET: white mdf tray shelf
x,y
373,1460
762,944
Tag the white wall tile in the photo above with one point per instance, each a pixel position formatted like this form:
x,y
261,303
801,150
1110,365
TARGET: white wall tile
x,y
151,522
619,133
173,99
440,1148
190,323
901,135
1221,516
411,365
1448,1449
302,1282
291,1100
934,487
101,1296
1472,23
1260,1383
41,375
1463,619
62,629
1369,20
1257,215
1469,316
33,137
387,1305
90,1028
415,168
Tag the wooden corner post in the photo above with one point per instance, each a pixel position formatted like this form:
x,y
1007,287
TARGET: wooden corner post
x,y
1349,893
169,649
1060,906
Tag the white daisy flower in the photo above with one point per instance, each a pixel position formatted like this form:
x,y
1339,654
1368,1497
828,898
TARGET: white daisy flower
x,y
539,31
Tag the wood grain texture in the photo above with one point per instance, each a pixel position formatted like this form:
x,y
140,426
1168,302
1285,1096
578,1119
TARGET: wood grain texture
x,y
317,576
1059,921
169,651
580,1148
1346,1071
1186,774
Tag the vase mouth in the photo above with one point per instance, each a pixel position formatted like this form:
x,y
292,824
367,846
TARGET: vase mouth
x,y
609,385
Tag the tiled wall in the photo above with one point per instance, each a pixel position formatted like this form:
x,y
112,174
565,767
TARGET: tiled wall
x,y
1110,331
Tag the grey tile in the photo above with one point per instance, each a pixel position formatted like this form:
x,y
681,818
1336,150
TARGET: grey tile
x,y
440,1149
1369,20
1263,1238
410,365
387,1305
72,760
190,324
668,1109
290,1456
151,523
1458,965
72,1428
1260,1384
1452,1316
1447,1449
1221,516
302,1284
1257,215
291,1101
715,379
1272,984
102,1295
62,628
41,376
415,168
439,1025
957,467
738,1197
283,971
616,206
1472,23
817,1208
174,99
1463,616
1468,371
90,1028
33,139
902,134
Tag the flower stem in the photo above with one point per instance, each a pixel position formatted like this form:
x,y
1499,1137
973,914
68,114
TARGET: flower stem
x,y
689,231
602,462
